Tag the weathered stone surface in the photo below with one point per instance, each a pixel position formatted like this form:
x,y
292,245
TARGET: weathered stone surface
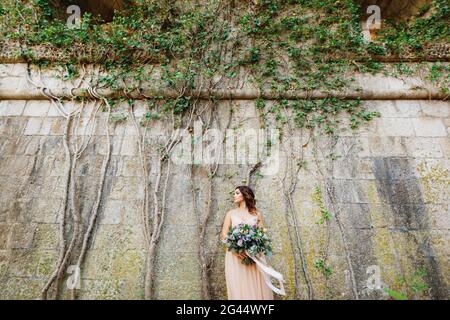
x,y
36,108
394,127
429,127
33,126
12,108
386,210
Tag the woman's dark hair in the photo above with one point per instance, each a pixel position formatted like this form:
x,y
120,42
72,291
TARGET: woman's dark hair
x,y
249,198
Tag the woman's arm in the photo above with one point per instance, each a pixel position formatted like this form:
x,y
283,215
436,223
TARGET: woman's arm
x,y
226,225
260,220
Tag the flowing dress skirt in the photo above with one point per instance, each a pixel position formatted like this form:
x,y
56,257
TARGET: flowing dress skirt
x,y
245,282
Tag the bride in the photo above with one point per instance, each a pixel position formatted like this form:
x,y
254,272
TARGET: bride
x,y
244,282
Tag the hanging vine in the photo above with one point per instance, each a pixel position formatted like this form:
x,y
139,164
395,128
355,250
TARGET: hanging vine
x,y
73,151
328,153
277,46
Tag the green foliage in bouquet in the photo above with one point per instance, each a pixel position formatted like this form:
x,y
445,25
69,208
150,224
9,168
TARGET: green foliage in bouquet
x,y
250,239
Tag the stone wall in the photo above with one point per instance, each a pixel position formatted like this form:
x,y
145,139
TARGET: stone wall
x,y
385,185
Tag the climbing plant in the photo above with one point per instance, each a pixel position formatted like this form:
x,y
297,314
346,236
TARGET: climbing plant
x,y
287,44
198,46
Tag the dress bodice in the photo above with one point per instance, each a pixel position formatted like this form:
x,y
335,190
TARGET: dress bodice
x,y
237,218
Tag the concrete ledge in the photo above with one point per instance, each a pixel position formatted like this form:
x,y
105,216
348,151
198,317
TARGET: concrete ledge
x,y
14,86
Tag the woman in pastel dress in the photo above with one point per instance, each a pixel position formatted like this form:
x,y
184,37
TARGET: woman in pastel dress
x,y
244,282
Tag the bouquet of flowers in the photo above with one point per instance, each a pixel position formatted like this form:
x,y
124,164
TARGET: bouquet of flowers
x,y
249,239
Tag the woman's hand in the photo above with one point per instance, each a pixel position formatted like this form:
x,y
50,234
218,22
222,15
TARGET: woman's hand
x,y
241,255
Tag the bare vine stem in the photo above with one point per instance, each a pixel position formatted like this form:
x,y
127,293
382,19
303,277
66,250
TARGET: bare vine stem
x,y
73,152
336,210
291,213
96,206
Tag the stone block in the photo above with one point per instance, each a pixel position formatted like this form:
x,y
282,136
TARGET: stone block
x,y
129,146
119,236
131,167
438,216
176,238
53,110
355,215
387,146
133,212
174,282
46,127
347,190
58,126
22,236
52,146
118,128
429,127
116,145
432,108
405,108
447,125
46,263
46,210
16,166
395,109
420,147
46,236
445,146
23,263
126,188
113,212
139,110
102,289
13,126
32,145
36,108
130,129
58,168
3,109
394,127
33,126
11,147
21,288
439,240
352,168
12,108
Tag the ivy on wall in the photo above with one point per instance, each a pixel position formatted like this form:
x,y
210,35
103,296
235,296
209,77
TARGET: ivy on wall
x,y
287,44
282,44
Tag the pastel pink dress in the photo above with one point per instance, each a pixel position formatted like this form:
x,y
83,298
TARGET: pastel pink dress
x,y
245,282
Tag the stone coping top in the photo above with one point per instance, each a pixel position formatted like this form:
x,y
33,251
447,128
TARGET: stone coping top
x,y
15,84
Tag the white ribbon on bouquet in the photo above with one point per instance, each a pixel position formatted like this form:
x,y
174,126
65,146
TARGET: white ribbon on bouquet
x,y
269,272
